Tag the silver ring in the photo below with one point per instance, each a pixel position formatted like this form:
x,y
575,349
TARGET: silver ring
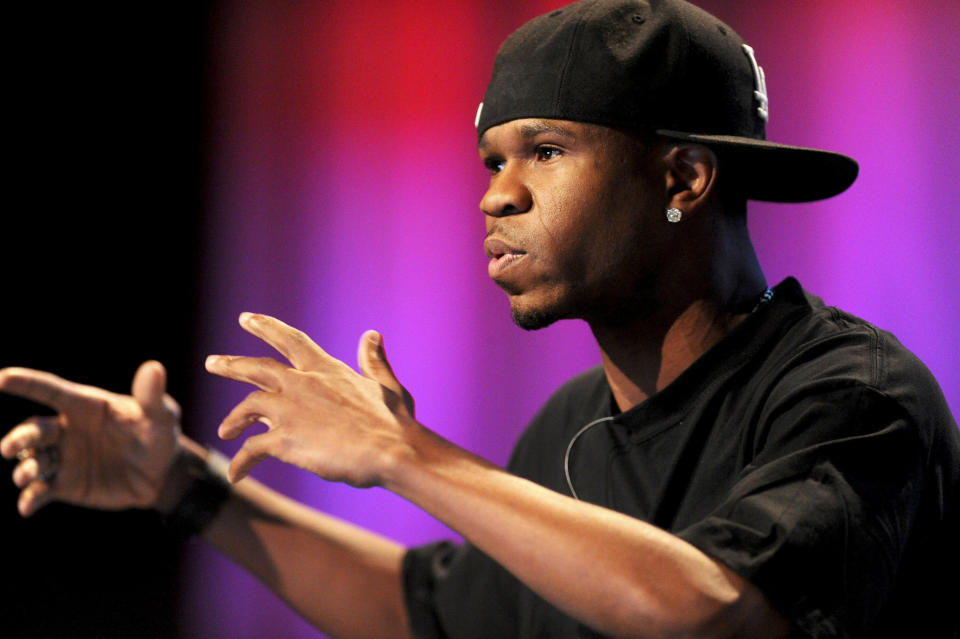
x,y
24,453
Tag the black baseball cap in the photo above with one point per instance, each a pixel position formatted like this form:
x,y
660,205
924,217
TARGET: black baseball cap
x,y
662,66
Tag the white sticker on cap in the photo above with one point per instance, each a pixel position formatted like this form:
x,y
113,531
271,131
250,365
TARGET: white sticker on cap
x,y
760,81
476,120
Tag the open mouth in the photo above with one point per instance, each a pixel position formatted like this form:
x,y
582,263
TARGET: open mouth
x,y
500,263
502,256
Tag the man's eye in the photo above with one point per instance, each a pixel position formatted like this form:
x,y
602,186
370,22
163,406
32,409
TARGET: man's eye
x,y
494,165
548,152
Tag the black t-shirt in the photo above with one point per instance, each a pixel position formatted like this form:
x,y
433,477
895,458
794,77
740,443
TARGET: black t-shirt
x,y
808,451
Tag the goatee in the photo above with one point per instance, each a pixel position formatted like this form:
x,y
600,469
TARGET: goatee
x,y
534,319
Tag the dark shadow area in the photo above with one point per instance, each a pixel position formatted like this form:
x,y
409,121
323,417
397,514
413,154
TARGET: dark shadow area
x,y
99,261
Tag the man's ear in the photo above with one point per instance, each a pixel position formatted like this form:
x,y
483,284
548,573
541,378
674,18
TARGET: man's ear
x,y
691,176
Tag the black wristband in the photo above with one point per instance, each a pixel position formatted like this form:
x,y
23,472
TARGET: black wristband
x,y
203,499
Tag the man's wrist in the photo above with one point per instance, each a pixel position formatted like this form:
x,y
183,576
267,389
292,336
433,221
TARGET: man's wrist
x,y
195,490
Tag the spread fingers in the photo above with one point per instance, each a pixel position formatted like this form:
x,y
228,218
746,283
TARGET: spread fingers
x,y
34,497
34,433
41,387
263,372
292,343
248,412
42,464
253,451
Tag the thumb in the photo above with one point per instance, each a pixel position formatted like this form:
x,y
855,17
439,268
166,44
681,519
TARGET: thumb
x,y
149,386
374,365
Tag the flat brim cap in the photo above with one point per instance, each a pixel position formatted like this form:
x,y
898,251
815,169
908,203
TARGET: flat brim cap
x,y
664,66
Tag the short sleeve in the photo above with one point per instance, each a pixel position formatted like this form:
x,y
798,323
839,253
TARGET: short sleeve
x,y
457,591
421,567
819,522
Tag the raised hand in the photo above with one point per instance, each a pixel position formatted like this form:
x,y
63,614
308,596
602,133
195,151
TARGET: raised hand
x,y
321,415
101,450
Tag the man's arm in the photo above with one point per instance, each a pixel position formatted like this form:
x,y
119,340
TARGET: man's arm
x,y
343,579
118,451
619,575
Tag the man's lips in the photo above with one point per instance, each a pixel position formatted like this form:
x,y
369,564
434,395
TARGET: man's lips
x,y
502,256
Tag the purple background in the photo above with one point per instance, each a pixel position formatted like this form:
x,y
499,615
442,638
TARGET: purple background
x,y
342,195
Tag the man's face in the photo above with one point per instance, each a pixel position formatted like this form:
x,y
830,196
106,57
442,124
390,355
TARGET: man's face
x,y
575,223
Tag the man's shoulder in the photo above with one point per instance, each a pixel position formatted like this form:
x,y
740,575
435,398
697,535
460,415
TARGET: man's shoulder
x,y
827,343
856,374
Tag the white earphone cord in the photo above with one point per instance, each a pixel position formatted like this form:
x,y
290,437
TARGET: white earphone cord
x,y
566,456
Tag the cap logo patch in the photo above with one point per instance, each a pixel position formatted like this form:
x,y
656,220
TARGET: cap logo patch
x,y
760,81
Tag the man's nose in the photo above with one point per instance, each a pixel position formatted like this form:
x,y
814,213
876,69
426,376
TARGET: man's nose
x,y
506,195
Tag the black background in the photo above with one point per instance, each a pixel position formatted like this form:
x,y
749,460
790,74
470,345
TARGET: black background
x,y
99,264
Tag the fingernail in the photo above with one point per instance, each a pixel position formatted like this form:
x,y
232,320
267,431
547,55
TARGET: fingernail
x,y
212,360
247,318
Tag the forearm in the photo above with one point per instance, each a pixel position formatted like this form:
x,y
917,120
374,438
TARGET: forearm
x,y
341,578
619,575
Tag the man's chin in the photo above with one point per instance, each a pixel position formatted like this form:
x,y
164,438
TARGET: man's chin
x,y
532,311
532,319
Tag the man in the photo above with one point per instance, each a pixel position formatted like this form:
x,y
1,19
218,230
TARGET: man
x,y
745,463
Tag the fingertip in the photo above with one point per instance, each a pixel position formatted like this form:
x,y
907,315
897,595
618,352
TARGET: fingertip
x,y
248,319
35,503
235,474
154,368
149,384
21,476
8,373
8,445
25,506
372,343
211,362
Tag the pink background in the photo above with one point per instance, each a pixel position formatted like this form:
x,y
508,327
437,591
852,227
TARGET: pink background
x,y
342,190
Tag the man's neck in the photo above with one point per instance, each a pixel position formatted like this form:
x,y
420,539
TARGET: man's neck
x,y
707,285
643,358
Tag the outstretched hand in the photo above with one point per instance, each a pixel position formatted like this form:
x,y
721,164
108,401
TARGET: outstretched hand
x,y
321,415
101,449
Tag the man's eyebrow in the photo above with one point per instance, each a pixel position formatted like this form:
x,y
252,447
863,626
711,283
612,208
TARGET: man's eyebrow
x,y
532,130
536,128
